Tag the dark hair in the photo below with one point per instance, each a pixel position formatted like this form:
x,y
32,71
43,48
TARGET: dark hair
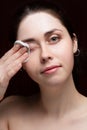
x,y
36,6
50,7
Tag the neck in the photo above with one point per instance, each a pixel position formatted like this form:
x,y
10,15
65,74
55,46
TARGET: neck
x,y
58,100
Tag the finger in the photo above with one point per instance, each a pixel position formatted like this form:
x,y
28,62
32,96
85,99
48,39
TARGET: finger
x,y
13,68
13,50
17,55
8,58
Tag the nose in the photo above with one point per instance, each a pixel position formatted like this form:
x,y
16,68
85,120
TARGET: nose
x,y
45,55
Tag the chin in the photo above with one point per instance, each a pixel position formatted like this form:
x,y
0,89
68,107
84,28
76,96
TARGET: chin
x,y
56,81
52,83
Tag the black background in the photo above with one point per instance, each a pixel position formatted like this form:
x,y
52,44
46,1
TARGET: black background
x,y
77,11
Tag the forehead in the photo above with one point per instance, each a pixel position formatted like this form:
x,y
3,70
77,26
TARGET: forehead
x,y
37,23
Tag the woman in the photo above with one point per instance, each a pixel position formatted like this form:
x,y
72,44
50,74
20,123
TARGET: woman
x,y
53,44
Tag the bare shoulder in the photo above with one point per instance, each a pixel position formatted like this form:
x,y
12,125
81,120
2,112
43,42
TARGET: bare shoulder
x,y
14,109
15,104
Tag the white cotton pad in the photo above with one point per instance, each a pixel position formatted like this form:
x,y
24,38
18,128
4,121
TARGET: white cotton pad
x,y
23,44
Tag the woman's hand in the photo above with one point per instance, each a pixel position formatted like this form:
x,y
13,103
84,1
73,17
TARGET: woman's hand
x,y
10,64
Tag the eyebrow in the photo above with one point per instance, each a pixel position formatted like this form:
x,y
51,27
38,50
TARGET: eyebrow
x,y
29,40
51,31
46,34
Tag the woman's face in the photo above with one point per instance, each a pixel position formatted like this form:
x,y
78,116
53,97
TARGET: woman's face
x,y
51,48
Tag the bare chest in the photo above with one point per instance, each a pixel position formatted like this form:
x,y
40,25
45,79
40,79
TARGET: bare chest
x,y
43,124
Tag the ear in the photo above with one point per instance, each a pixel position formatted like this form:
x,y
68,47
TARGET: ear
x,y
75,43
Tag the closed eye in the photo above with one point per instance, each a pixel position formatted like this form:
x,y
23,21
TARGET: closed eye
x,y
33,46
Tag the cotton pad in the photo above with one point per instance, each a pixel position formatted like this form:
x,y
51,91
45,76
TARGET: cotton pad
x,y
23,44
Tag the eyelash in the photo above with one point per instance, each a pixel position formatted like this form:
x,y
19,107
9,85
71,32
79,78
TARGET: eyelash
x,y
33,46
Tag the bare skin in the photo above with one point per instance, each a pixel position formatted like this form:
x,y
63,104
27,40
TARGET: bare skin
x,y
28,114
59,105
10,64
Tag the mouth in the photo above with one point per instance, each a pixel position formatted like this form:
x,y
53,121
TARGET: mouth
x,y
50,69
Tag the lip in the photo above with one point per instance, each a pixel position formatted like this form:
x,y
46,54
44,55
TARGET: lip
x,y
50,69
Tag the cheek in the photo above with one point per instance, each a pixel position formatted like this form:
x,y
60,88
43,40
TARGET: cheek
x,y
30,69
65,53
31,66
68,58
